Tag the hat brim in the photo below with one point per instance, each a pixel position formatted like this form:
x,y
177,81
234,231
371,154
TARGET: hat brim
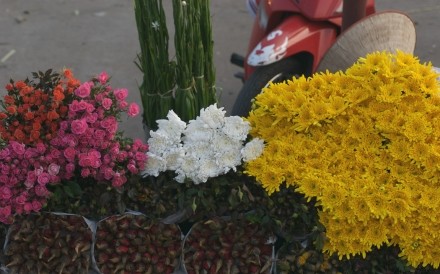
x,y
384,31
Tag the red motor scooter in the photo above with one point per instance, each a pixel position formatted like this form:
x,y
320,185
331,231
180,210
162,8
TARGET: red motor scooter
x,y
289,38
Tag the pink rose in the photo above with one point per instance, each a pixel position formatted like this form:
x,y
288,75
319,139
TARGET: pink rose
x,y
41,148
31,178
79,126
74,106
5,169
5,193
70,140
92,118
27,207
13,180
70,168
21,200
108,122
96,162
122,156
4,153
139,156
133,110
118,180
82,105
85,160
5,211
107,103
41,191
4,179
99,134
108,173
120,94
85,172
90,108
103,77
43,178
84,90
18,148
53,169
64,125
36,206
132,168
122,105
55,153
70,153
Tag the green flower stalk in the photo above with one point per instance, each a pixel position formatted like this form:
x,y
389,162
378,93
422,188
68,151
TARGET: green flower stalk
x,y
158,72
184,22
208,95
187,84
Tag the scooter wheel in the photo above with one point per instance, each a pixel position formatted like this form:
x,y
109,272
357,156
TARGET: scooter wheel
x,y
261,78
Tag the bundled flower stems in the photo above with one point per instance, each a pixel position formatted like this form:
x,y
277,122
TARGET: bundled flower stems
x,y
187,83
158,80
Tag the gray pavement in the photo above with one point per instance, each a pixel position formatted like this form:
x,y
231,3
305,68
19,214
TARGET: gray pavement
x,y
90,36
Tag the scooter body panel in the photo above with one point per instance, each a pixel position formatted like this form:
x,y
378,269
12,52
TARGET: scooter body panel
x,y
283,28
294,35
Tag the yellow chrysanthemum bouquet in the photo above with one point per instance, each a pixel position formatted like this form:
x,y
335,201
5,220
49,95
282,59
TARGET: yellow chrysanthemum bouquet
x,y
365,144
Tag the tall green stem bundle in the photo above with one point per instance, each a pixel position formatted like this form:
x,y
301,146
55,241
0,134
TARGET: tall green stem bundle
x,y
208,94
158,73
186,103
186,85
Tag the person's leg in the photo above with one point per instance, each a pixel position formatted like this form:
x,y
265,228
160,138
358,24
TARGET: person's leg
x,y
353,10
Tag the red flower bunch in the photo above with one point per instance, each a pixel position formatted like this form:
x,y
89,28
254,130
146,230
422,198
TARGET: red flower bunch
x,y
73,135
32,110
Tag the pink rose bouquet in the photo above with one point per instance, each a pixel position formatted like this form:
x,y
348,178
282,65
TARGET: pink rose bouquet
x,y
86,146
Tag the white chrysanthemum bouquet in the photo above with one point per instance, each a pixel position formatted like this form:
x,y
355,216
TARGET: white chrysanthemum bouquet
x,y
209,146
209,149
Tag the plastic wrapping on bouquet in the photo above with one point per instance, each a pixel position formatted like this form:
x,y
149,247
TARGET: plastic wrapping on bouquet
x,y
133,243
48,242
230,246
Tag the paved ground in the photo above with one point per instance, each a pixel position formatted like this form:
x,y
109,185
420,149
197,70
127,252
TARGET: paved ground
x,y
90,36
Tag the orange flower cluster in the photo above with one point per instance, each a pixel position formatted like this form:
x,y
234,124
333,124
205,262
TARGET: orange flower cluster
x,y
31,110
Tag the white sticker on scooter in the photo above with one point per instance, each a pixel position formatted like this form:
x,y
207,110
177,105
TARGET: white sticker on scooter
x,y
269,50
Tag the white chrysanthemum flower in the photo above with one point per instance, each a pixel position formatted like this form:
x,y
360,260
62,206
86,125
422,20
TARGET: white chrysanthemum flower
x,y
159,143
236,128
155,164
197,131
200,150
213,116
207,169
252,150
188,166
221,143
173,158
172,127
228,160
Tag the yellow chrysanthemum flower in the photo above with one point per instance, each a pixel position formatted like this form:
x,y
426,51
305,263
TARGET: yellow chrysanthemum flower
x,y
363,143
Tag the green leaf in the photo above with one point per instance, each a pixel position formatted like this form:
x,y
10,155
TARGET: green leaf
x,y
72,189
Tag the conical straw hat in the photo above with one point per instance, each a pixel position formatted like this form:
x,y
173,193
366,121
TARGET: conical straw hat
x,y
384,31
